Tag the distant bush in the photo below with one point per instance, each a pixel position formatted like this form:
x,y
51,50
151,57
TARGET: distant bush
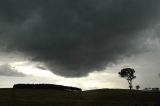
x,y
151,89
46,86
137,87
155,89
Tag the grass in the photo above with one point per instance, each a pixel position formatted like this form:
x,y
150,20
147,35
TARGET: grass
x,y
103,97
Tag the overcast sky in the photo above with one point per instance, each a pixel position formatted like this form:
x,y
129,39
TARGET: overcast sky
x,y
83,43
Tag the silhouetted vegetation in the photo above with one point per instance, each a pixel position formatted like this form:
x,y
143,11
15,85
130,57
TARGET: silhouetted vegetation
x,y
147,89
128,74
137,87
46,86
155,89
151,89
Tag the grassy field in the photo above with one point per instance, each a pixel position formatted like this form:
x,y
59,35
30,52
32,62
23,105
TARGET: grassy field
x,y
103,97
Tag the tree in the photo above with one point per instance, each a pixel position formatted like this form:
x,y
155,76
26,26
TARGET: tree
x,y
128,74
146,89
137,87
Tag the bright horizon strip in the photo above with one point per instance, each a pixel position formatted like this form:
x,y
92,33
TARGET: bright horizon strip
x,y
92,81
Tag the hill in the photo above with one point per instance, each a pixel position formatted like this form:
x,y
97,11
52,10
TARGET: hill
x,y
101,97
46,86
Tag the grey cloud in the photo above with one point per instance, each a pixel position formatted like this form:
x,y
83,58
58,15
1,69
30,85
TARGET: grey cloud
x,y
7,70
41,67
75,37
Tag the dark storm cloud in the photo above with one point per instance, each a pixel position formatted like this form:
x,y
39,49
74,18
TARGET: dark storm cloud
x,y
75,37
7,70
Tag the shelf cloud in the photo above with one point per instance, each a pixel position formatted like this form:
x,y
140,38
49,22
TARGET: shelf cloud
x,y
75,37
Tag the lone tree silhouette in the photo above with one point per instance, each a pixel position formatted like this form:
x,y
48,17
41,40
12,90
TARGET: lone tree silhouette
x,y
128,74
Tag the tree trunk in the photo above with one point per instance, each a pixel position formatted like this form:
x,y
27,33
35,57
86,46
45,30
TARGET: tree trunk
x,y
130,84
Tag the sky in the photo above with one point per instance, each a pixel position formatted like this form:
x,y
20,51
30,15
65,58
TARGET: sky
x,y
82,43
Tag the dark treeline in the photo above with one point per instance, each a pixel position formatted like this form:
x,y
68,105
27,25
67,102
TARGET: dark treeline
x,y
46,86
